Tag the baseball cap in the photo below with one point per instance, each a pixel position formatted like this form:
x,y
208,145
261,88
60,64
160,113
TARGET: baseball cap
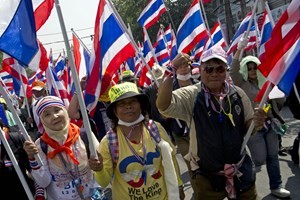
x,y
214,52
38,85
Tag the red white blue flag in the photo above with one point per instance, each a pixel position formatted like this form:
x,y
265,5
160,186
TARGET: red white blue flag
x,y
265,33
240,33
151,13
42,11
192,29
17,30
280,62
112,47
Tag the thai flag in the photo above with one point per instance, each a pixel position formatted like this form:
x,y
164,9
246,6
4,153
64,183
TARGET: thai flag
x,y
161,50
17,30
265,33
18,74
60,65
42,11
144,81
55,86
280,62
7,80
112,47
171,42
191,30
216,36
198,50
81,57
240,33
151,13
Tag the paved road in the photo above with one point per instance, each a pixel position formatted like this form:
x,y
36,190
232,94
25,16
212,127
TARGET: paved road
x,y
289,171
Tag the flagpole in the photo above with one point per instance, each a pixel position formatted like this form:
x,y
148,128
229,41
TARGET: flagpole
x,y
249,26
296,92
123,26
81,42
18,120
205,21
16,165
150,45
25,99
172,23
83,109
251,127
269,14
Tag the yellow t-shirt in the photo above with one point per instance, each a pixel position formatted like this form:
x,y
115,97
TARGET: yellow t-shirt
x,y
131,179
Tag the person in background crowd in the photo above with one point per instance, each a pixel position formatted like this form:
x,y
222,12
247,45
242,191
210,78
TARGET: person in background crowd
x,y
99,122
39,90
9,116
10,183
182,64
264,144
65,173
127,76
218,115
136,156
196,72
151,92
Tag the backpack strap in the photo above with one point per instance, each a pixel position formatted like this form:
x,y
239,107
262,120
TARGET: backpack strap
x,y
153,130
113,146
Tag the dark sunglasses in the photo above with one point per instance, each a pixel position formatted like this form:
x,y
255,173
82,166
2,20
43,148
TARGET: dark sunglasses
x,y
252,68
220,69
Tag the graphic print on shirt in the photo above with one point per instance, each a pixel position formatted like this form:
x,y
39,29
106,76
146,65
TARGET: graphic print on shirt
x,y
137,178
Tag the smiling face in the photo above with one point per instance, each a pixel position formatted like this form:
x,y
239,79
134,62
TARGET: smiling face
x,y
213,74
128,110
54,118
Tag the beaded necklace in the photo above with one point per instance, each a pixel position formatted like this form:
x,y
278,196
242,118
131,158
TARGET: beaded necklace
x,y
209,101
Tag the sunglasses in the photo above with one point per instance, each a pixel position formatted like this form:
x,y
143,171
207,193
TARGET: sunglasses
x,y
219,70
252,68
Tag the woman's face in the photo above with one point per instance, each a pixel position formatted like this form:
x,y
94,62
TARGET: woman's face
x,y
252,67
128,110
54,118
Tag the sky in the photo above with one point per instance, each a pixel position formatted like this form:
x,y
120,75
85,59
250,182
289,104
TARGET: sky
x,y
78,14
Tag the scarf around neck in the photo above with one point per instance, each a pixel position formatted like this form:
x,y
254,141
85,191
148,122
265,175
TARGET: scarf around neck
x,y
73,134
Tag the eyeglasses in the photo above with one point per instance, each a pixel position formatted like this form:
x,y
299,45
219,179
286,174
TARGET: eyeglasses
x,y
252,68
220,69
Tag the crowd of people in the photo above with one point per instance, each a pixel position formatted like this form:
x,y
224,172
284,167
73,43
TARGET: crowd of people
x,y
200,110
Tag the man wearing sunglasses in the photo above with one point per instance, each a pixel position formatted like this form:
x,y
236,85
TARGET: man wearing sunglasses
x,y
218,115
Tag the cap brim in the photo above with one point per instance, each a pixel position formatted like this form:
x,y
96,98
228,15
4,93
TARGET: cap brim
x,y
144,101
214,56
38,88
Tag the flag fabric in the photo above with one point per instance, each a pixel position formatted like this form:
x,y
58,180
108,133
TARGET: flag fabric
x,y
42,12
171,42
161,49
7,80
81,57
144,81
216,36
265,33
198,50
17,30
192,29
280,62
151,13
111,48
19,75
55,86
240,33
